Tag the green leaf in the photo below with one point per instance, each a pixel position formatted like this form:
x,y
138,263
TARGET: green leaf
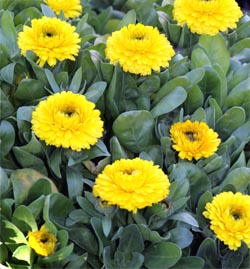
x,y
129,260
208,252
41,187
6,107
4,183
189,262
162,255
95,91
76,81
239,46
99,229
185,217
134,129
213,85
106,225
129,18
238,177
7,137
22,180
169,86
74,183
7,73
23,92
11,235
130,239
56,208
232,259
216,50
9,31
199,58
23,219
195,76
28,160
82,238
59,255
169,102
205,198
195,99
23,253
3,253
181,236
117,150
55,88
232,119
198,180
239,95
47,11
28,13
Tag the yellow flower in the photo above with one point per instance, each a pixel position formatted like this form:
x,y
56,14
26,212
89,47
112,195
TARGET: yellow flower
x,y
50,39
67,119
42,242
229,217
132,184
71,9
194,139
139,49
207,16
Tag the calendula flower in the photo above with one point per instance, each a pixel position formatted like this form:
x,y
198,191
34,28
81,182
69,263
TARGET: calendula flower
x,y
207,16
69,120
71,9
50,39
131,184
42,242
229,217
194,139
139,49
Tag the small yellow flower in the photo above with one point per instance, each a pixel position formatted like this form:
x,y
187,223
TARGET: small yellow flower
x,y
207,16
229,217
71,9
194,139
42,242
132,184
69,120
139,49
50,39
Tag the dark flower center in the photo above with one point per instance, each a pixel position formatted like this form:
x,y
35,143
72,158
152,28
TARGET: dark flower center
x,y
236,215
48,34
129,172
190,136
68,113
44,240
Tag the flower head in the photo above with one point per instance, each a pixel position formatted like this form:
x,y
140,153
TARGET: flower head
x,y
229,217
50,39
194,139
139,49
71,9
67,119
43,242
132,184
207,16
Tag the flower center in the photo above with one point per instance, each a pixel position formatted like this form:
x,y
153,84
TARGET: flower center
x,y
48,31
190,136
68,112
44,240
236,215
129,172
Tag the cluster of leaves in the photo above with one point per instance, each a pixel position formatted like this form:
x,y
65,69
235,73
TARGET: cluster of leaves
x,y
207,80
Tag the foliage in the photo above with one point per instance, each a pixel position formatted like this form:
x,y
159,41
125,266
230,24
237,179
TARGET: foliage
x,y
207,80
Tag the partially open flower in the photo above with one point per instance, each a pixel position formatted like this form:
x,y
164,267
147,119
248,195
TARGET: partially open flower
x,y
194,139
67,120
139,49
42,242
229,217
50,39
207,16
132,184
